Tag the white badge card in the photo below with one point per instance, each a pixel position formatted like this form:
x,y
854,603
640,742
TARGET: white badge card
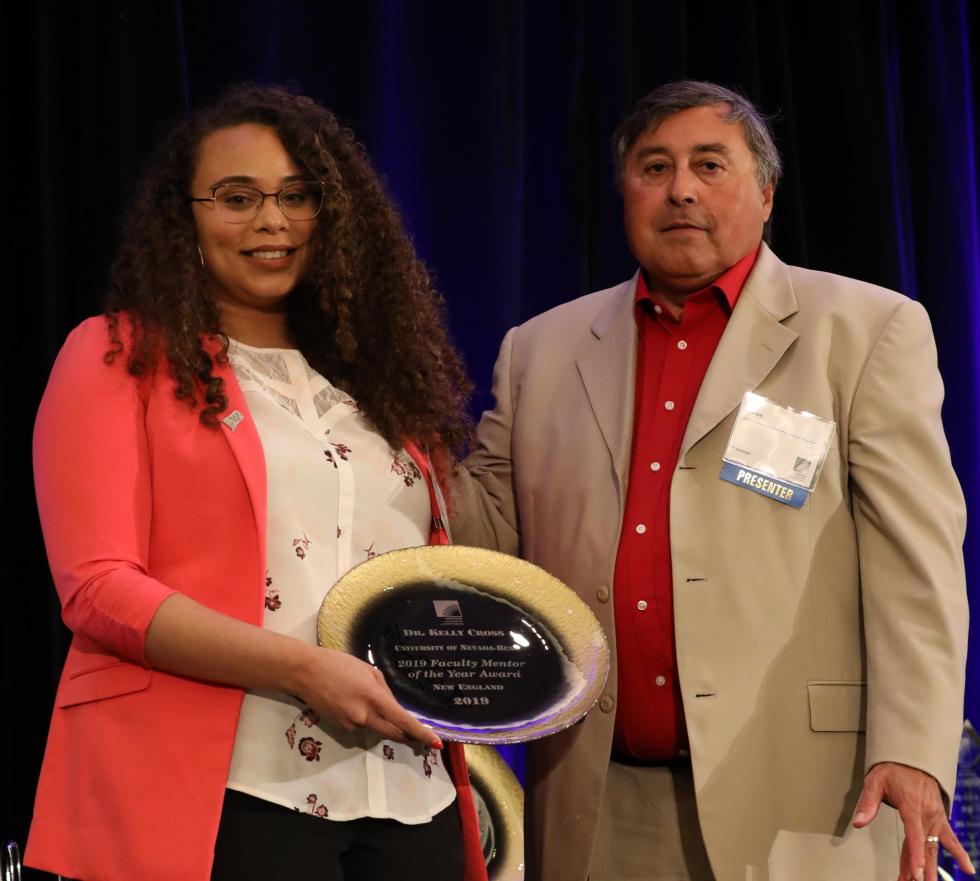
x,y
776,451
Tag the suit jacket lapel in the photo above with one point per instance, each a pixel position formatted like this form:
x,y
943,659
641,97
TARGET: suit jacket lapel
x,y
238,427
750,348
607,365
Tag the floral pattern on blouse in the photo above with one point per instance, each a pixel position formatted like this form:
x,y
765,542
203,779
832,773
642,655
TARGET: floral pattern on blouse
x,y
272,601
404,466
429,758
309,748
318,810
301,546
308,718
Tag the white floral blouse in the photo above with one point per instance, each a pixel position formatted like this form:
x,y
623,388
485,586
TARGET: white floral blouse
x,y
337,495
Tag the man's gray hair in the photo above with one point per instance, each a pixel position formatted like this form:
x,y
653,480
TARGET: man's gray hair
x,y
671,98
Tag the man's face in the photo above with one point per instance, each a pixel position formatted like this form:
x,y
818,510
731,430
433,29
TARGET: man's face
x,y
692,204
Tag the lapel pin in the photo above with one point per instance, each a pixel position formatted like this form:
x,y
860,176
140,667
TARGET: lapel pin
x,y
233,419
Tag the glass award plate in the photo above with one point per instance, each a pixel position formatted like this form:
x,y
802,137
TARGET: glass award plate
x,y
499,802
481,646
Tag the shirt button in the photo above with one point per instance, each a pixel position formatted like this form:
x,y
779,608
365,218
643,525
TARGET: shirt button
x,y
642,605
607,703
654,466
661,680
602,594
682,345
657,309
640,528
668,405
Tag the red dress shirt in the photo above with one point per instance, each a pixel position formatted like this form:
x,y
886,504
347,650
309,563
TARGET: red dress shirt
x,y
672,358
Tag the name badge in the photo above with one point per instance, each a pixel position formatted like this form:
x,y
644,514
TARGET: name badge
x,y
776,451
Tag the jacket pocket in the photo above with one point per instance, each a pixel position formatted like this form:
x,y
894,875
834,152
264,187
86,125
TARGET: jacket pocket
x,y
98,683
838,706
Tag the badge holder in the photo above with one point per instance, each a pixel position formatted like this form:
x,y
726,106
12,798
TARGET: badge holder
x,y
776,451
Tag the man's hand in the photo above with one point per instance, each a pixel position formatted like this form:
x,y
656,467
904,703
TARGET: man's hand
x,y
915,795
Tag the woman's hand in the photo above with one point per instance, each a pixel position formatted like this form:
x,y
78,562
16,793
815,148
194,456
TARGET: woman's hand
x,y
190,639
354,694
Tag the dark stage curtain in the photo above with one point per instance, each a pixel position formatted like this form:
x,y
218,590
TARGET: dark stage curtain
x,y
490,121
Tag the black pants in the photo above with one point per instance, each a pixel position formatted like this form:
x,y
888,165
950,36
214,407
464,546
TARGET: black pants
x,y
262,841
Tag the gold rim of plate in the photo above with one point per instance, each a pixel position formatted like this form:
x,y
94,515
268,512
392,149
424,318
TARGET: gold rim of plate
x,y
547,599
503,795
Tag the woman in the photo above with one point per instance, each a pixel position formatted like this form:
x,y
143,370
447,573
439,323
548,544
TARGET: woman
x,y
251,417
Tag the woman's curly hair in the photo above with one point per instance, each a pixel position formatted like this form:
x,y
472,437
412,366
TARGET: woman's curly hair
x,y
365,315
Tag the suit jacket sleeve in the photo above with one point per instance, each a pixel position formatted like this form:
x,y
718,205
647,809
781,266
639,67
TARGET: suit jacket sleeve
x,y
485,508
93,490
910,520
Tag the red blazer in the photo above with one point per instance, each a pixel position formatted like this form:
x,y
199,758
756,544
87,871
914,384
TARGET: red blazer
x,y
137,500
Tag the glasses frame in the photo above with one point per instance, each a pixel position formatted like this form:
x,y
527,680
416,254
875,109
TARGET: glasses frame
x,y
258,208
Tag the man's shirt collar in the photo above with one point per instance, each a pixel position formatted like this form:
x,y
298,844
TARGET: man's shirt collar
x,y
728,286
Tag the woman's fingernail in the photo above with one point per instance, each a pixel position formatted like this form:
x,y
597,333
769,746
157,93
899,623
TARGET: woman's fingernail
x,y
437,743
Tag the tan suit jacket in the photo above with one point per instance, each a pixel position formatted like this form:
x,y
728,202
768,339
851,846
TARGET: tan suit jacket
x,y
811,643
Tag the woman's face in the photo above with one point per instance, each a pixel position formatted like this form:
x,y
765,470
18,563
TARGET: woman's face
x,y
254,265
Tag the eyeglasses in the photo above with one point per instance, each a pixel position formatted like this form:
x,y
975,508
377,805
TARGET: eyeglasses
x,y
237,203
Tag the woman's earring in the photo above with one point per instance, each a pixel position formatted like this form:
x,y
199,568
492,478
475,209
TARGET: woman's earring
x,y
200,254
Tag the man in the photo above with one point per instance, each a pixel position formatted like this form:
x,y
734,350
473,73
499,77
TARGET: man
x,y
781,671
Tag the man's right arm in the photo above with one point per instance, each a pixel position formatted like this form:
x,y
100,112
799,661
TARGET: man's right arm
x,y
484,509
